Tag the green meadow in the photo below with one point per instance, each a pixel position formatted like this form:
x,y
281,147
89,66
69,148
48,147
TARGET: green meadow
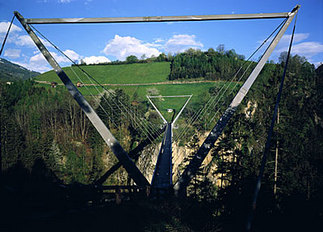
x,y
165,103
145,73
200,92
114,74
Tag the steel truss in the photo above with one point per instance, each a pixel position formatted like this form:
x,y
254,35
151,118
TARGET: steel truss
x,y
106,134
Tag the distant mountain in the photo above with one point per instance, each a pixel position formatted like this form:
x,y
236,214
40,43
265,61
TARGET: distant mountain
x,y
13,72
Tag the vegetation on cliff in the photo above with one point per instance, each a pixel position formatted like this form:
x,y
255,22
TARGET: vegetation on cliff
x,y
43,129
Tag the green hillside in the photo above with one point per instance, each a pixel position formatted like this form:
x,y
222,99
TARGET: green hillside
x,y
13,72
165,103
142,75
200,93
115,74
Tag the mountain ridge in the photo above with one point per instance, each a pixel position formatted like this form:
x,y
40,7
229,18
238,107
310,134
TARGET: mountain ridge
x,y
14,72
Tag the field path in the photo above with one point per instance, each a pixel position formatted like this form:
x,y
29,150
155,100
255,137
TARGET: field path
x,y
140,84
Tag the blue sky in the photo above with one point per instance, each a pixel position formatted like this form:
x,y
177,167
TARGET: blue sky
x,y
104,42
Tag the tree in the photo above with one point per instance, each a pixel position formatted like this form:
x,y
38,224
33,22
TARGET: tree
x,y
220,49
209,65
143,57
131,59
161,57
211,52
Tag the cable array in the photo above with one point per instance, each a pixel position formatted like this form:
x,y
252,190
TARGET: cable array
x,y
213,102
269,136
146,127
137,122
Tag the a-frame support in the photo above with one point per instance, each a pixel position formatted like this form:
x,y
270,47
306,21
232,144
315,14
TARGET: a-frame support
x,y
105,133
196,162
162,181
115,146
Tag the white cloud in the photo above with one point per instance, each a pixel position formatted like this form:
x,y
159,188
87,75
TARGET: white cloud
x,y
5,25
33,66
16,38
285,40
180,43
38,62
159,40
87,2
73,55
307,49
59,58
121,47
298,37
96,60
64,1
25,40
12,53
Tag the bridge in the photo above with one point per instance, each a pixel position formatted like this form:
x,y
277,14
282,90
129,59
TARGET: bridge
x,y
162,180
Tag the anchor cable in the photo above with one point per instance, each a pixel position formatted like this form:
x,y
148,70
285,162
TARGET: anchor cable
x,y
143,123
197,116
5,38
269,135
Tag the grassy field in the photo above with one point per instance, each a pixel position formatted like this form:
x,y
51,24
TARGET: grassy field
x,y
138,74
165,103
115,74
199,91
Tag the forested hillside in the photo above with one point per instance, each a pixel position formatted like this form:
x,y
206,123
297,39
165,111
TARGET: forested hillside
x,y
43,127
210,65
189,65
14,72
295,189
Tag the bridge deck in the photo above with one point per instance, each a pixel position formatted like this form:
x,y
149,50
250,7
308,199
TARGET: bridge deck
x,y
162,178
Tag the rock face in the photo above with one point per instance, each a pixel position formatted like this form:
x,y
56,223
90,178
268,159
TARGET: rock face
x,y
180,160
181,154
148,159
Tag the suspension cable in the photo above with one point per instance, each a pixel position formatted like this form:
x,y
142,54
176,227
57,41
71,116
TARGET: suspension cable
x,y
96,99
5,38
223,101
211,100
89,76
132,121
269,135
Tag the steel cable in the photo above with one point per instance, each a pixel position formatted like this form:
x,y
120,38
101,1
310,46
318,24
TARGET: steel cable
x,y
143,123
7,34
211,100
269,135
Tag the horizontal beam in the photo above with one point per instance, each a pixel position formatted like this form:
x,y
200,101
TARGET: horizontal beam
x,y
156,18
159,96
